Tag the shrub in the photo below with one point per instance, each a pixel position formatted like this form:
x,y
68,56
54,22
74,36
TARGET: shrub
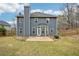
x,y
2,31
56,36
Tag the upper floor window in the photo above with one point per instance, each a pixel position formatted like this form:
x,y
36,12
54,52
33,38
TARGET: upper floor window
x,y
47,20
20,20
36,20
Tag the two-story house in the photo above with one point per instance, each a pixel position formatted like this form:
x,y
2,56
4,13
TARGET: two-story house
x,y
36,24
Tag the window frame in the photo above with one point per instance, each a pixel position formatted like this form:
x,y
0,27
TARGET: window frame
x,y
33,30
51,30
20,20
47,20
20,30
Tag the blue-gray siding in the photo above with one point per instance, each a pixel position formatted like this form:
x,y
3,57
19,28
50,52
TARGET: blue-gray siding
x,y
26,21
51,25
28,31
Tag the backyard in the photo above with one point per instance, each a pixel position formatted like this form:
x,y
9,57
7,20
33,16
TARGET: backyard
x,y
65,46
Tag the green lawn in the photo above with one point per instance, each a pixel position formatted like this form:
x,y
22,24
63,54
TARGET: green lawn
x,y
64,46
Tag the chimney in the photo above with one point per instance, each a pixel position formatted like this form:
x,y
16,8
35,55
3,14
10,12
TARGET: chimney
x,y
26,20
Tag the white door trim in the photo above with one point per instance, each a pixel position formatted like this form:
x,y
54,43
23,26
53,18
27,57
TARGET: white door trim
x,y
38,31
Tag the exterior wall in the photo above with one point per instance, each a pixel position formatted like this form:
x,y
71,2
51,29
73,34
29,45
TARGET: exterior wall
x,y
51,25
20,26
34,24
23,23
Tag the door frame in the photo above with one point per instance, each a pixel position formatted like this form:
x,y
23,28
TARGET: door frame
x,y
39,30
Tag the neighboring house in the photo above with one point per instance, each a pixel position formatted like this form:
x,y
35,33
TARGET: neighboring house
x,y
4,24
36,24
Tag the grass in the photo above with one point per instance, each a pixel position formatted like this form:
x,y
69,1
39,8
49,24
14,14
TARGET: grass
x,y
65,46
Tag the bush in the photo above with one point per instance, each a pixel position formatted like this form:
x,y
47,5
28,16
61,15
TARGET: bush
x,y
2,31
56,36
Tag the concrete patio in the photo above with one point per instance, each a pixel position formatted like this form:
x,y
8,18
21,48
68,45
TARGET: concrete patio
x,y
39,39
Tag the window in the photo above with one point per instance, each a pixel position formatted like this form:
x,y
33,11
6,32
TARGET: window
x,y
20,30
20,14
33,30
36,20
43,30
20,20
51,29
47,20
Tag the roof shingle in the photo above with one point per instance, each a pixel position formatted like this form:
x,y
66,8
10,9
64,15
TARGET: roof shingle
x,y
40,14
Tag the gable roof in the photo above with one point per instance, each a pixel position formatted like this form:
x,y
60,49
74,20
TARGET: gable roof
x,y
4,23
39,14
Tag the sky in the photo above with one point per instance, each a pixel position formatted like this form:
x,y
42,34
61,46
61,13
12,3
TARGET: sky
x,y
46,6
9,11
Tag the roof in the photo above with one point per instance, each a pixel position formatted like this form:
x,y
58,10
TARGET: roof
x,y
4,23
39,14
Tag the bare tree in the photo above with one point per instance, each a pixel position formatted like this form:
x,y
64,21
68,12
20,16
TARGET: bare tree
x,y
69,14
